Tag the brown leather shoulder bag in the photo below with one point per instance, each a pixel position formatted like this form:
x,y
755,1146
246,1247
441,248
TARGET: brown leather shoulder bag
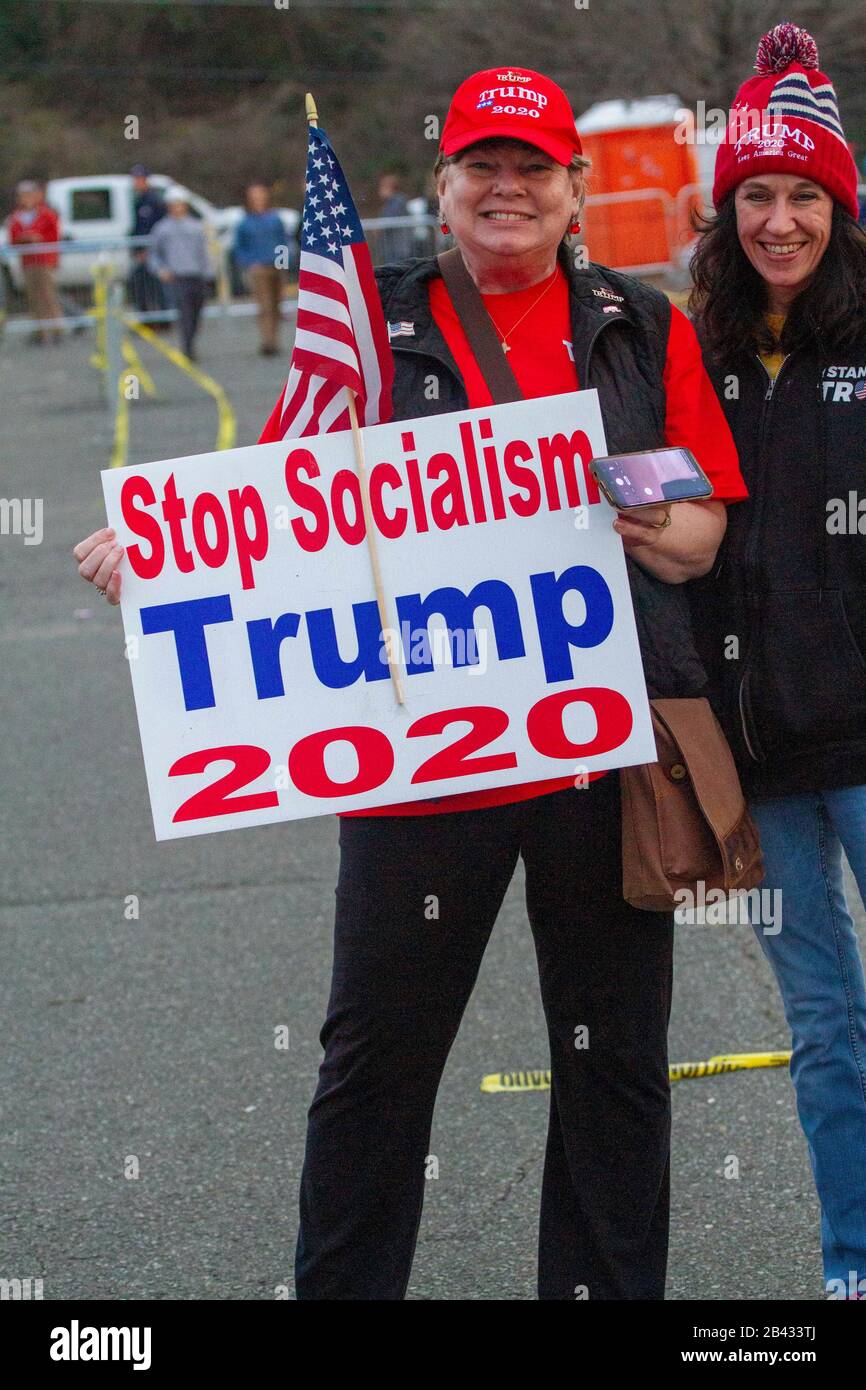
x,y
684,818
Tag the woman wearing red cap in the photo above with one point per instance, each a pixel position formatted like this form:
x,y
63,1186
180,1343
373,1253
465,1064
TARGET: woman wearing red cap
x,y
780,293
511,187
510,182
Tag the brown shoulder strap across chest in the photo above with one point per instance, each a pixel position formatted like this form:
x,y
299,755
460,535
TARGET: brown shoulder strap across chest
x,y
478,327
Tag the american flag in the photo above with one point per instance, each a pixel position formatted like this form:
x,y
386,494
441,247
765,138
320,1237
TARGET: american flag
x,y
341,339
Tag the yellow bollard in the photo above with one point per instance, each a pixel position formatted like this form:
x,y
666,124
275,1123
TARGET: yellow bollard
x,y
120,449
99,312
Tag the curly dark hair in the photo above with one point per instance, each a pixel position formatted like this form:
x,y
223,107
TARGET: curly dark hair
x,y
729,298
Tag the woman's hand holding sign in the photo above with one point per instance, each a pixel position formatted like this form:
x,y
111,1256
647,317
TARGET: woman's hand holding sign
x,y
98,557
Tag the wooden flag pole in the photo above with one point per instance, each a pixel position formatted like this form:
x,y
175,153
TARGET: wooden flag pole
x,y
391,647
390,636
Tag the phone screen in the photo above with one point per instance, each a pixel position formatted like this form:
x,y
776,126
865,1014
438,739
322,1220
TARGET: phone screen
x,y
643,479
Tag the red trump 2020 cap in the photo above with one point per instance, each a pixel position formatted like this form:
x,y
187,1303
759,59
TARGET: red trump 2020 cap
x,y
514,103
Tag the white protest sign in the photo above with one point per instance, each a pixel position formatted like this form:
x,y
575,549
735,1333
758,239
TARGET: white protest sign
x,y
259,670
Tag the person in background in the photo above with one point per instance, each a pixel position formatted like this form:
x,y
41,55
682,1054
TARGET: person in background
x,y
780,303
145,289
179,257
34,221
393,243
261,250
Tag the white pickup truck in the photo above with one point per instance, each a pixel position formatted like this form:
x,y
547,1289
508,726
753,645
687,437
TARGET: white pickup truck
x,y
100,208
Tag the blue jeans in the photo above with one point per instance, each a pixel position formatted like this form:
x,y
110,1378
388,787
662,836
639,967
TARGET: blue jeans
x,y
817,964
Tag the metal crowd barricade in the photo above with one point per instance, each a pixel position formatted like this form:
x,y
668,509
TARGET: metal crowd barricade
x,y
99,261
646,231
665,241
394,239
417,235
633,231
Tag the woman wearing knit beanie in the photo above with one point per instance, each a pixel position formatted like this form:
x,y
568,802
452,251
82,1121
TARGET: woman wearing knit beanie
x,y
780,300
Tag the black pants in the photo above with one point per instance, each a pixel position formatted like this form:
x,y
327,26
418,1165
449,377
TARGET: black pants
x,y
189,296
400,984
145,289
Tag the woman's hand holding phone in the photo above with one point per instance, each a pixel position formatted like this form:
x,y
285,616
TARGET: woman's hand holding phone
x,y
642,526
641,487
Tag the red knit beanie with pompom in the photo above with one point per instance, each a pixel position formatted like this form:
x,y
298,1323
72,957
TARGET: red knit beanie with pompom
x,y
786,121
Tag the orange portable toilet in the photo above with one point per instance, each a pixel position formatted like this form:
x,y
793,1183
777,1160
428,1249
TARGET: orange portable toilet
x,y
634,220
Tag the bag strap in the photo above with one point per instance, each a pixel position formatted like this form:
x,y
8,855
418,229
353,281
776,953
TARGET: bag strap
x,y
478,327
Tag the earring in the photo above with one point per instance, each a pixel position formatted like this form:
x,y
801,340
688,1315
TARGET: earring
x,y
444,228
575,227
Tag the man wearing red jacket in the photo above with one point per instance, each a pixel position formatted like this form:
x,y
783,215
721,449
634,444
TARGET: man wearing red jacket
x,y
34,221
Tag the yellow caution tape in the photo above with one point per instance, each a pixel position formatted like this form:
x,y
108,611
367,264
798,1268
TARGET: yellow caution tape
x,y
539,1080
227,422
138,368
120,449
733,1061
516,1081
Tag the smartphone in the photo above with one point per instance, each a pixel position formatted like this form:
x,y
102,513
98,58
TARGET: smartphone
x,y
647,479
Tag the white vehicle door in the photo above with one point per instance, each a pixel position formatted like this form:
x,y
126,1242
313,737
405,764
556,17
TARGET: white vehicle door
x,y
95,212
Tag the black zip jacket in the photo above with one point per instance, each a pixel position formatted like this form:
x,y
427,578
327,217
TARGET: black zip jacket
x,y
149,209
781,622
623,356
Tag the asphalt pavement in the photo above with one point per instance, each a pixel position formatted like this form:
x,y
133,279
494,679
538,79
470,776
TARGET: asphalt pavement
x,y
152,1133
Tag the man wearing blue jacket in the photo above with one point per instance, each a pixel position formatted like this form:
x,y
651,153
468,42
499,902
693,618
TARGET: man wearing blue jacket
x,y
260,249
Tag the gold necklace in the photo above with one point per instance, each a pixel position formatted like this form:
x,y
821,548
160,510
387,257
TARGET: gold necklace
x,y
534,305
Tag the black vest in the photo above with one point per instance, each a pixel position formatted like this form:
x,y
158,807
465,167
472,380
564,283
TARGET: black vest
x,y
781,621
622,355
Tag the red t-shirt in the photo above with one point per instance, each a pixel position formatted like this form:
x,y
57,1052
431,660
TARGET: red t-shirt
x,y
541,359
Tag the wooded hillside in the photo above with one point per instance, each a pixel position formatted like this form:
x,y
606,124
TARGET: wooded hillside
x,y
218,87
